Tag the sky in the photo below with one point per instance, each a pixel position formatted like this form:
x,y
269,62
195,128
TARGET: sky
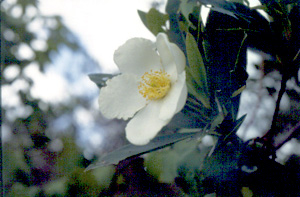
x,y
102,25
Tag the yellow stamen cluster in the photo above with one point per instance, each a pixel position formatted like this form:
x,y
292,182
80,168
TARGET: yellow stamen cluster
x,y
154,85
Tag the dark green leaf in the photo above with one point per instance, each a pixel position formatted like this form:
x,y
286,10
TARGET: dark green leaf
x,y
222,166
196,71
195,61
174,33
183,26
233,8
187,7
162,164
156,20
218,119
238,91
130,150
236,125
143,16
100,79
221,6
195,89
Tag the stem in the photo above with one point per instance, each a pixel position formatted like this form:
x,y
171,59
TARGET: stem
x,y
269,135
297,55
291,132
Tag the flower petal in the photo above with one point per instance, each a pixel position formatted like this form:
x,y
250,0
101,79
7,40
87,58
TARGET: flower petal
x,y
137,56
145,124
172,57
120,98
175,100
179,57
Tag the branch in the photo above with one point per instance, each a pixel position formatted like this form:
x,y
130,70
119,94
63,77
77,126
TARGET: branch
x,y
288,133
269,135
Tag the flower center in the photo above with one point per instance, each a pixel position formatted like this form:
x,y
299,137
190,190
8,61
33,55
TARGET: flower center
x,y
154,85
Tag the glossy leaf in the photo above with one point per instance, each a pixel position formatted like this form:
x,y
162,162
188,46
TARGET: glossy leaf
x,y
154,20
216,122
238,91
130,150
143,17
195,89
162,165
221,6
100,79
196,62
236,125
196,72
175,34
233,8
183,26
222,167
187,7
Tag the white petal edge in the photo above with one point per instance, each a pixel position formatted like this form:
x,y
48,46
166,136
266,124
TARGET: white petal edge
x,y
175,100
120,98
179,57
145,125
137,56
163,48
173,59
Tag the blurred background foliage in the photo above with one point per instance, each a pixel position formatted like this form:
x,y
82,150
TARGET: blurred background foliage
x,y
45,147
42,146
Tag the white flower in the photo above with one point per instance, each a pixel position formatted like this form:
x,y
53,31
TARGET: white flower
x,y
151,87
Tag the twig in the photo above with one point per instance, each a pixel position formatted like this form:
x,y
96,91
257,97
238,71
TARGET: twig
x,y
269,135
290,132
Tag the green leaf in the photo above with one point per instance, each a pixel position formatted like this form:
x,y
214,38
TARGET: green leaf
x,y
190,163
143,16
195,61
162,165
100,79
183,26
154,20
216,122
130,150
196,73
238,91
187,7
221,6
236,125
240,1
195,89
190,154
223,163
